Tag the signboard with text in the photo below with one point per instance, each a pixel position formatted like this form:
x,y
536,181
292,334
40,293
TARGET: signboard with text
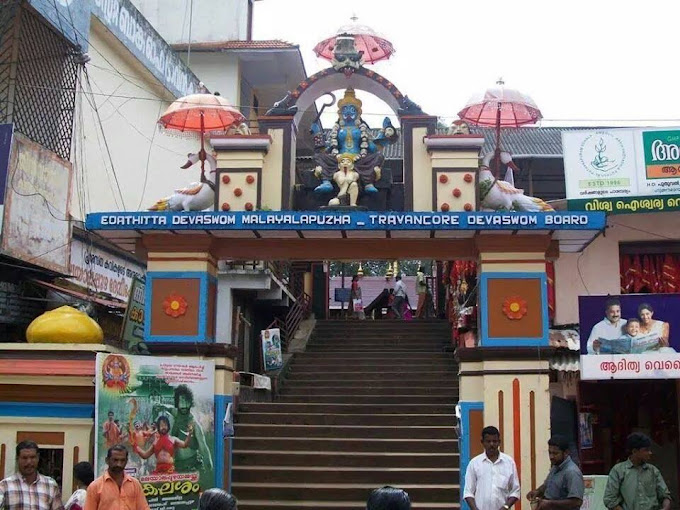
x,y
359,220
123,19
132,331
162,410
633,336
622,171
100,270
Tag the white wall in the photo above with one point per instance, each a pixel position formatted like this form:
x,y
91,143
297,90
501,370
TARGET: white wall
x,y
129,127
213,20
596,270
219,72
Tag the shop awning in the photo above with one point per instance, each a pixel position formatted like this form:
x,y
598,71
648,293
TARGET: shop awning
x,y
81,295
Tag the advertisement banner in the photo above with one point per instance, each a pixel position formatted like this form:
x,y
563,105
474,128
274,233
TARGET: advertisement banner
x,y
132,331
622,170
271,349
100,270
634,336
162,410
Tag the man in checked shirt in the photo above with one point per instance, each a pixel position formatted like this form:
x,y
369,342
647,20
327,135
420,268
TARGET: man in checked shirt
x,y
28,489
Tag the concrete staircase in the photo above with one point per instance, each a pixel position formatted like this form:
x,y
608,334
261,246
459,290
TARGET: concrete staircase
x,y
370,403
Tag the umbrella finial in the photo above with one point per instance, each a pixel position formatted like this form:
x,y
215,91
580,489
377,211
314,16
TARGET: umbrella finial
x,y
354,17
500,81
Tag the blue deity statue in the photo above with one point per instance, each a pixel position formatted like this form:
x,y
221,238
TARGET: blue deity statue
x,y
350,156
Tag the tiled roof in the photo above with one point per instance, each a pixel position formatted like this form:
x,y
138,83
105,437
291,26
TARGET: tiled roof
x,y
272,44
520,142
527,141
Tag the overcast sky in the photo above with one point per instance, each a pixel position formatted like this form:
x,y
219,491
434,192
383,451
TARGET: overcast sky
x,y
591,62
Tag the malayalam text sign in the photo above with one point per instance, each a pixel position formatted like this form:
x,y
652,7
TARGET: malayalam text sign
x,y
608,169
633,336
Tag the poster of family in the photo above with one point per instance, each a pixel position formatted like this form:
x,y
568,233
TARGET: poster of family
x,y
634,336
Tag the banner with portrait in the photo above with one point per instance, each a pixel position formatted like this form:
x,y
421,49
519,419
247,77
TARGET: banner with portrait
x,y
633,336
272,354
162,411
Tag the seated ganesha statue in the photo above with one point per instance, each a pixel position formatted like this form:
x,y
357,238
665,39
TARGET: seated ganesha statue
x,y
350,156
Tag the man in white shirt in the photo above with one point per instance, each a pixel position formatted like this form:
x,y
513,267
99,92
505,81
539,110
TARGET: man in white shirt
x,y
609,328
491,481
399,297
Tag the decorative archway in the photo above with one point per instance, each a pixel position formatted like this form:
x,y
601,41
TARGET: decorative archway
x,y
299,100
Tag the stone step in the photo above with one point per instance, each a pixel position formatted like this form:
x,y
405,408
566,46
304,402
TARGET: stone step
x,y
415,375
449,383
258,504
313,475
344,431
279,407
367,356
346,444
368,392
419,367
397,336
344,459
339,491
381,420
362,399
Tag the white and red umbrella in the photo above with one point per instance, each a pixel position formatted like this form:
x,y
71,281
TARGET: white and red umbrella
x,y
500,107
374,47
201,114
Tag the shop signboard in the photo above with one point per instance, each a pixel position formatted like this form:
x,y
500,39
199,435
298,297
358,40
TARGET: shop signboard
x,y
622,171
633,336
132,331
162,410
102,271
125,22
271,349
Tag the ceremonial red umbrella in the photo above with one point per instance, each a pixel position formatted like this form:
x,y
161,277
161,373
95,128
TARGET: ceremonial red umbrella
x,y
500,107
374,47
201,114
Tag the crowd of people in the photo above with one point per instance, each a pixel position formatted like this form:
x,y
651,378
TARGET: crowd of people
x,y
491,483
395,299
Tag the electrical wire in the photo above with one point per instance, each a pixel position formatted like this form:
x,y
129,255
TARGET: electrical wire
x,y
148,160
106,143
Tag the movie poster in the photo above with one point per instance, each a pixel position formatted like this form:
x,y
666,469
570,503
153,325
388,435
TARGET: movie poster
x,y
633,336
162,410
271,349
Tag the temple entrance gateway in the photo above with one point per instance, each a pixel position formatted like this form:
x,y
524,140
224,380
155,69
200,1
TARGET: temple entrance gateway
x,y
368,402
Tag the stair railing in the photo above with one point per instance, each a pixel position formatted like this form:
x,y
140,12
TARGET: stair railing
x,y
297,312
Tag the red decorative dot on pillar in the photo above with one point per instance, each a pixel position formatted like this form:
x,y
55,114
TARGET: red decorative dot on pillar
x,y
445,207
250,179
226,179
443,178
467,207
456,192
226,206
249,206
238,192
467,177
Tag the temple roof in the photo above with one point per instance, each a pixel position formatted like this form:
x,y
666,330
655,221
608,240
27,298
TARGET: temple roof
x,y
271,44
